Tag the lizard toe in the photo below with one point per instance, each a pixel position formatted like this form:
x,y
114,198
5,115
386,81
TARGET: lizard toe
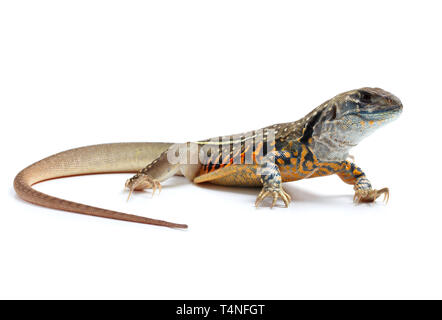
x,y
275,194
371,195
140,182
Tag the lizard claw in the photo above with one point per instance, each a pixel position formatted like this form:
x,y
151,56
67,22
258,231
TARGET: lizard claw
x,y
130,193
141,182
156,185
275,193
371,195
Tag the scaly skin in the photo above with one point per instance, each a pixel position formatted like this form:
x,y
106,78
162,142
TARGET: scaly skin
x,y
314,146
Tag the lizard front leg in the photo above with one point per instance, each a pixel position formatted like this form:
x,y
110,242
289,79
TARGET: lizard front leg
x,y
364,192
271,179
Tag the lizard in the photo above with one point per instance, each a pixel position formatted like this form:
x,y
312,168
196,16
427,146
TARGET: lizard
x,y
314,146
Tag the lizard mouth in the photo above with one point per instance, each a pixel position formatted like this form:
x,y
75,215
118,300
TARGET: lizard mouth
x,y
386,113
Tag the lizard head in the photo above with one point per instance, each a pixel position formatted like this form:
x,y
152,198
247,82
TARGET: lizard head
x,y
356,114
343,121
367,108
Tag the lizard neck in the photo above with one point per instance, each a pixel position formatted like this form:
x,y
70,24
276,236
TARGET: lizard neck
x,y
331,146
330,141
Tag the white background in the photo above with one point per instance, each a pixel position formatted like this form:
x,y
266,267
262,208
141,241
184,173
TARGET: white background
x,y
85,72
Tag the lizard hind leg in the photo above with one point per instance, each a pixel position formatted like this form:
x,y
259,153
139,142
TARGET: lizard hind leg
x,y
150,176
142,181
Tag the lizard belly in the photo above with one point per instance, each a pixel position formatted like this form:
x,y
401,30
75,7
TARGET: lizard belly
x,y
242,175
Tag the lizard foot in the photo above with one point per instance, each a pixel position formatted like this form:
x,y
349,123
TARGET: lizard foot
x,y
371,195
275,193
141,182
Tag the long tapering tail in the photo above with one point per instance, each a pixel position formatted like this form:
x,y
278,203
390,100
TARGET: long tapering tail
x,y
103,158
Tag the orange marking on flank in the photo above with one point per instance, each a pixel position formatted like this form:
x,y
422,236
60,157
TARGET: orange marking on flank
x,y
258,148
303,153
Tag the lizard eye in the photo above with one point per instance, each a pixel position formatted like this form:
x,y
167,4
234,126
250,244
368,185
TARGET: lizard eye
x,y
365,97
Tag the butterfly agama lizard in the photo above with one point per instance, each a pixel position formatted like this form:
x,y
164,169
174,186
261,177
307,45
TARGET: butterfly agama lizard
x,y
316,145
